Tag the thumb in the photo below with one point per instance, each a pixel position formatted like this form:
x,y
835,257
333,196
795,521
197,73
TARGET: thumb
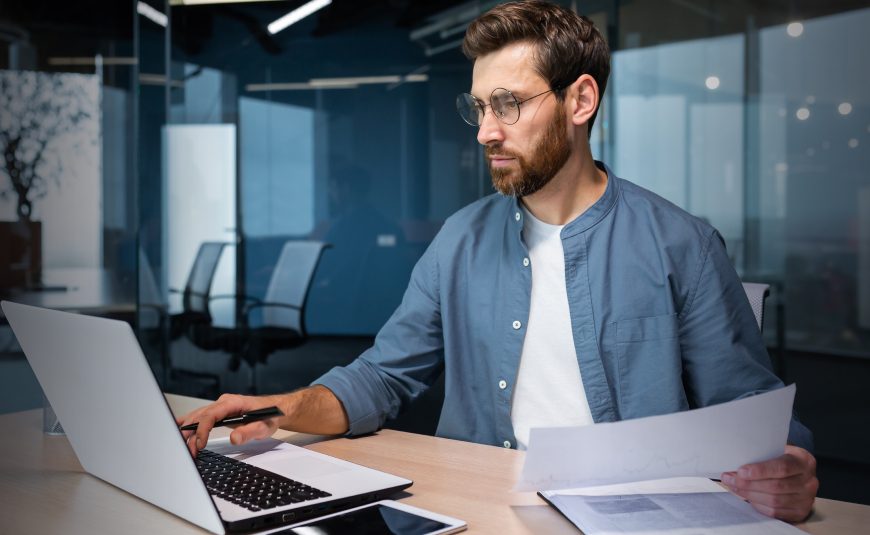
x,y
238,437
251,431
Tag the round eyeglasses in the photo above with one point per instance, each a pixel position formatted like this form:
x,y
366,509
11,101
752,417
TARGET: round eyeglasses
x,y
504,104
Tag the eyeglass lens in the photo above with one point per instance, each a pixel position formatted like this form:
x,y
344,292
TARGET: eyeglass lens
x,y
504,106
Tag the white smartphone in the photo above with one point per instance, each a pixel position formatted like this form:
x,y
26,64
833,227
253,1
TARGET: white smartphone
x,y
386,517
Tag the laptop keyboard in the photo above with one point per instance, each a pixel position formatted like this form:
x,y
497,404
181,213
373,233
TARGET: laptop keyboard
x,y
249,486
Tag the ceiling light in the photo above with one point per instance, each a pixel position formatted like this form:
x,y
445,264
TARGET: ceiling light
x,y
795,29
152,14
296,15
845,108
338,83
802,114
326,82
712,82
204,2
85,61
853,143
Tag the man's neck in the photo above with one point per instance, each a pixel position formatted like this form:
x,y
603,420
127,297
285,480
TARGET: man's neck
x,y
571,192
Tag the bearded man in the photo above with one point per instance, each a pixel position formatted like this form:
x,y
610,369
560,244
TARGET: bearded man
x,y
570,297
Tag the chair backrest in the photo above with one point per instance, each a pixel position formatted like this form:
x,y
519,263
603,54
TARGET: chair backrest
x,y
289,284
198,286
757,293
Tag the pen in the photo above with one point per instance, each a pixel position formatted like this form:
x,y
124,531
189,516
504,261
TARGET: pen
x,y
248,417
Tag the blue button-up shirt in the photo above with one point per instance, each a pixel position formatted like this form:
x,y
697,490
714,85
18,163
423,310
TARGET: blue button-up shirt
x,y
659,317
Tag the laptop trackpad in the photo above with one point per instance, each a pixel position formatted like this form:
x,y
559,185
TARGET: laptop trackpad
x,y
307,468
284,459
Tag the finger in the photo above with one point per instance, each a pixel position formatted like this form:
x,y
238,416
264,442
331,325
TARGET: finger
x,y
787,485
790,508
206,417
252,431
204,427
791,502
783,466
191,445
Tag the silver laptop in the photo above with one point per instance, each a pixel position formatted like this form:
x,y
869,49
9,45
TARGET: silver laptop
x,y
97,379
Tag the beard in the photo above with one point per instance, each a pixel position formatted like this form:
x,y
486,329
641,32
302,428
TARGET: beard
x,y
535,171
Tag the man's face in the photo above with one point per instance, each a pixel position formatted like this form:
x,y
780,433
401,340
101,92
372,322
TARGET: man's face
x,y
522,157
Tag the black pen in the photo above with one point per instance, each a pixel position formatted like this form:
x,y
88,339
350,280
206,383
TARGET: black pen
x,y
253,416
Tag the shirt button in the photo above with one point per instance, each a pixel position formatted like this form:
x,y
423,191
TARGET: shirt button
x,y
517,216
507,443
502,384
517,324
526,262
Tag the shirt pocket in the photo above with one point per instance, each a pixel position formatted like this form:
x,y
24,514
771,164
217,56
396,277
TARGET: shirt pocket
x,y
649,366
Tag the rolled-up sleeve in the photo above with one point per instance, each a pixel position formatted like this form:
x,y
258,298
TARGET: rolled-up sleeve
x,y
723,353
406,358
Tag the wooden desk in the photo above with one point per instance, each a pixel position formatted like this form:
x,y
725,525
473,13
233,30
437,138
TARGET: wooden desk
x,y
43,489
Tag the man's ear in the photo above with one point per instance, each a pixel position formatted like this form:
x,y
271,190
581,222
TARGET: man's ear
x,y
583,99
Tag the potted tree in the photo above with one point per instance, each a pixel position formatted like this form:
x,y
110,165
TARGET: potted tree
x,y
36,110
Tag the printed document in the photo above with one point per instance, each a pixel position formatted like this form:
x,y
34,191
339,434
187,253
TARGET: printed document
x,y
701,442
678,506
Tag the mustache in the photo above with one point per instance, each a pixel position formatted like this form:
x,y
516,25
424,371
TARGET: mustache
x,y
497,150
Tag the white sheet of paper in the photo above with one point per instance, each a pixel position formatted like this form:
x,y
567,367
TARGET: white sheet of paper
x,y
701,442
676,506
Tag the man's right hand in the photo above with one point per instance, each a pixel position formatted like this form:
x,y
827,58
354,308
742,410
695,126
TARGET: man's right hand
x,y
226,406
314,410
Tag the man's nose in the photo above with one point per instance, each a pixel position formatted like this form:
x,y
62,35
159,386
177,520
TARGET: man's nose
x,y
490,129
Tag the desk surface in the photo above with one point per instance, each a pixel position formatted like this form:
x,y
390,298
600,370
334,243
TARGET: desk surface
x,y
43,489
87,290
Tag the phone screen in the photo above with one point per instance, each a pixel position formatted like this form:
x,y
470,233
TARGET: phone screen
x,y
375,520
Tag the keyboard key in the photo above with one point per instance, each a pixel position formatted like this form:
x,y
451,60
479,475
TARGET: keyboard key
x,y
248,486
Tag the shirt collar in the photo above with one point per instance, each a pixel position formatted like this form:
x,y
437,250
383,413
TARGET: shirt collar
x,y
592,215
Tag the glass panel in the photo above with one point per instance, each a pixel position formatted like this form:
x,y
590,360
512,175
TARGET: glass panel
x,y
67,175
814,122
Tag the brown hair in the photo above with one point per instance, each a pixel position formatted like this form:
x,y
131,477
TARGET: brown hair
x,y
567,45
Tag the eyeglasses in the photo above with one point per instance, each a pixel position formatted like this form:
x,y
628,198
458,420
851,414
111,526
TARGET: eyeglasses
x,y
504,104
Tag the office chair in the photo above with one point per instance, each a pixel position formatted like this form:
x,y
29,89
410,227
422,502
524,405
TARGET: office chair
x,y
197,291
757,293
194,322
278,321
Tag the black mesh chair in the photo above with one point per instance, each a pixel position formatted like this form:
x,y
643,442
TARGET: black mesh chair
x,y
194,322
196,295
278,321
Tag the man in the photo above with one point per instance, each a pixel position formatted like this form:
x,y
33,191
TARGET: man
x,y
571,297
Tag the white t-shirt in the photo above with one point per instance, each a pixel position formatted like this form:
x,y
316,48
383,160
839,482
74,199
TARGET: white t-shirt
x,y
548,390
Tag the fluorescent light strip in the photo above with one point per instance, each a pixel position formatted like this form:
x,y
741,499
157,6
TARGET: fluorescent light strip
x,y
304,86
91,60
205,2
296,15
158,79
327,82
152,14
337,83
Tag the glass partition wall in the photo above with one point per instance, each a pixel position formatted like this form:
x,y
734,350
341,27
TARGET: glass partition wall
x,y
68,210
341,128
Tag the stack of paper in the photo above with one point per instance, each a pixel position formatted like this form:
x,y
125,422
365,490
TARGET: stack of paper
x,y
656,455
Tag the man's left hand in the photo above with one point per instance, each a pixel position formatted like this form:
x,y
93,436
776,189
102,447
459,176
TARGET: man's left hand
x,y
783,488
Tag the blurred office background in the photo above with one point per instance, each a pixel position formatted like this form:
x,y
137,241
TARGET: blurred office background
x,y
176,166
